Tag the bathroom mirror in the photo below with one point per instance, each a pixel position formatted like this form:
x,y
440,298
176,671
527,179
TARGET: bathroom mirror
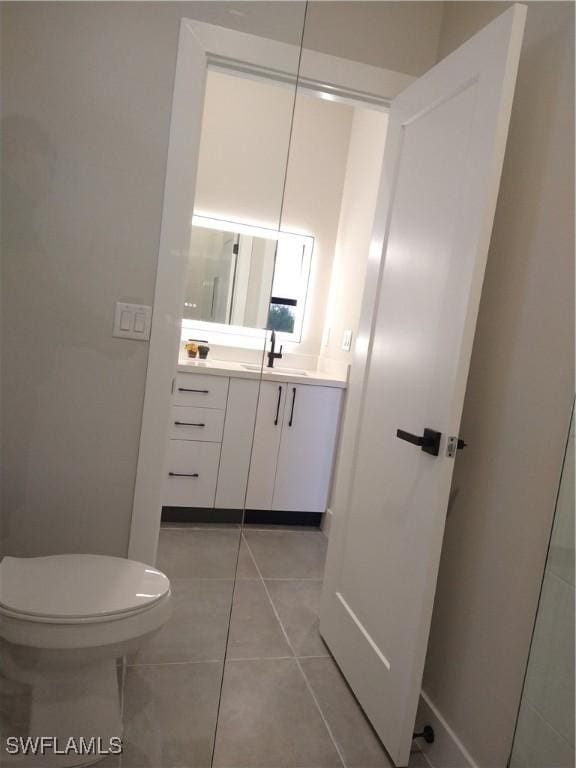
x,y
240,276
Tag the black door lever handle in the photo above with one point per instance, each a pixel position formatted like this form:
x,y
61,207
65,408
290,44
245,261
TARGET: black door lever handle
x,y
429,442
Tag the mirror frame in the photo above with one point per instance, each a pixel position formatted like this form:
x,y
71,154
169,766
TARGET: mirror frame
x,y
240,335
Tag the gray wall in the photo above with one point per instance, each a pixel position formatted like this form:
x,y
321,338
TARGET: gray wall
x,y
402,36
518,401
86,94
545,733
86,97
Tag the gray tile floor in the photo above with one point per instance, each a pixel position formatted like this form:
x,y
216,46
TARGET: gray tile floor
x,y
284,703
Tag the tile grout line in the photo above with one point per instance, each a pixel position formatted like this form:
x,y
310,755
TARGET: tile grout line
x,y
296,659
220,661
421,752
173,663
290,578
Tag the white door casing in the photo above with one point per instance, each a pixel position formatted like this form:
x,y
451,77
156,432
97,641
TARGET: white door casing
x,y
442,165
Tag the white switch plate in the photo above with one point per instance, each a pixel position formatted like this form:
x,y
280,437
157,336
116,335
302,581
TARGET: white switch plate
x,y
132,321
347,340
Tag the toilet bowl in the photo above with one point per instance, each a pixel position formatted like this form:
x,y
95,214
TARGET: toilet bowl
x,y
65,620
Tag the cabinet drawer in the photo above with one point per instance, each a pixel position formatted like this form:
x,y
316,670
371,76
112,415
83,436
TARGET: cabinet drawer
x,y
201,390
194,468
191,423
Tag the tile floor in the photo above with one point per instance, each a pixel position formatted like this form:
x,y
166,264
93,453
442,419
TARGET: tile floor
x,y
284,703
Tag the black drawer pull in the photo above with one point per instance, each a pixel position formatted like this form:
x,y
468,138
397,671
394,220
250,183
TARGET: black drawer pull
x,y
278,406
292,409
188,424
199,391
183,474
429,442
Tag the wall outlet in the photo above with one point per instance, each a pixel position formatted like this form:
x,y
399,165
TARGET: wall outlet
x,y
347,340
132,321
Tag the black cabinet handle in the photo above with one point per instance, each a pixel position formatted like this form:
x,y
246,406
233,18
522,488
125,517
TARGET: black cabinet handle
x,y
188,424
292,408
200,391
278,406
183,474
429,442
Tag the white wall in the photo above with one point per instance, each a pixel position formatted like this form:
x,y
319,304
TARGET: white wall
x,y
518,402
86,97
244,161
86,94
363,172
243,149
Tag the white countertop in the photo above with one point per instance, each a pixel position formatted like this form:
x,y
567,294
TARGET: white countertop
x,y
251,371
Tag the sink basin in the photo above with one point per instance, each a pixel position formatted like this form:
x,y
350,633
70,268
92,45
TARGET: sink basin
x,y
283,371
288,371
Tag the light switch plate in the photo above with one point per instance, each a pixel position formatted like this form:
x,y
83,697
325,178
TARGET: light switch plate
x,y
132,321
347,340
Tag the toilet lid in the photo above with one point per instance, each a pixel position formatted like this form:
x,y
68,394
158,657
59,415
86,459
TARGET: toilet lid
x,y
63,587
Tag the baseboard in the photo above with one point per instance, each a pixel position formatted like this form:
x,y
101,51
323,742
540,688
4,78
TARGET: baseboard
x,y
274,517
249,516
201,515
327,522
447,751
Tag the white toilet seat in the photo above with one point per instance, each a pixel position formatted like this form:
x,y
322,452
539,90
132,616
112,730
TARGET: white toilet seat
x,y
64,622
80,601
71,589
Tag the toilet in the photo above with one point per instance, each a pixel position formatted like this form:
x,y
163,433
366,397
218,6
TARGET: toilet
x,y
65,620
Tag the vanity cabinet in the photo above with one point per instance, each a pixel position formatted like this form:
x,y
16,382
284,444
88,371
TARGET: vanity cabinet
x,y
307,445
196,432
294,442
233,440
267,434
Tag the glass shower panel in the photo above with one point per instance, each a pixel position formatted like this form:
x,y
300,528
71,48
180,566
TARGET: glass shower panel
x,y
284,700
244,148
545,729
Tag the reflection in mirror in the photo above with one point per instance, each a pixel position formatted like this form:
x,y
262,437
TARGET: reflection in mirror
x,y
245,276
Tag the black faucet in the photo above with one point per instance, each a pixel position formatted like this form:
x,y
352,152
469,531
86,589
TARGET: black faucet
x,y
272,355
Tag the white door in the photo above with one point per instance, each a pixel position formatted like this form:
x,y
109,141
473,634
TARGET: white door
x,y
306,448
442,165
267,433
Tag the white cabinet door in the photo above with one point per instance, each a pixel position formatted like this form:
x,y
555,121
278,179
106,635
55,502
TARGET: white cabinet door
x,y
237,444
311,416
266,444
444,152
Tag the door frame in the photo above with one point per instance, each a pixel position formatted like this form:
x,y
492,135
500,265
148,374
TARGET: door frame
x,y
202,46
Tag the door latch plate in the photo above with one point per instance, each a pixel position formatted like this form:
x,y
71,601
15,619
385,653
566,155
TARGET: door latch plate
x,y
454,444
